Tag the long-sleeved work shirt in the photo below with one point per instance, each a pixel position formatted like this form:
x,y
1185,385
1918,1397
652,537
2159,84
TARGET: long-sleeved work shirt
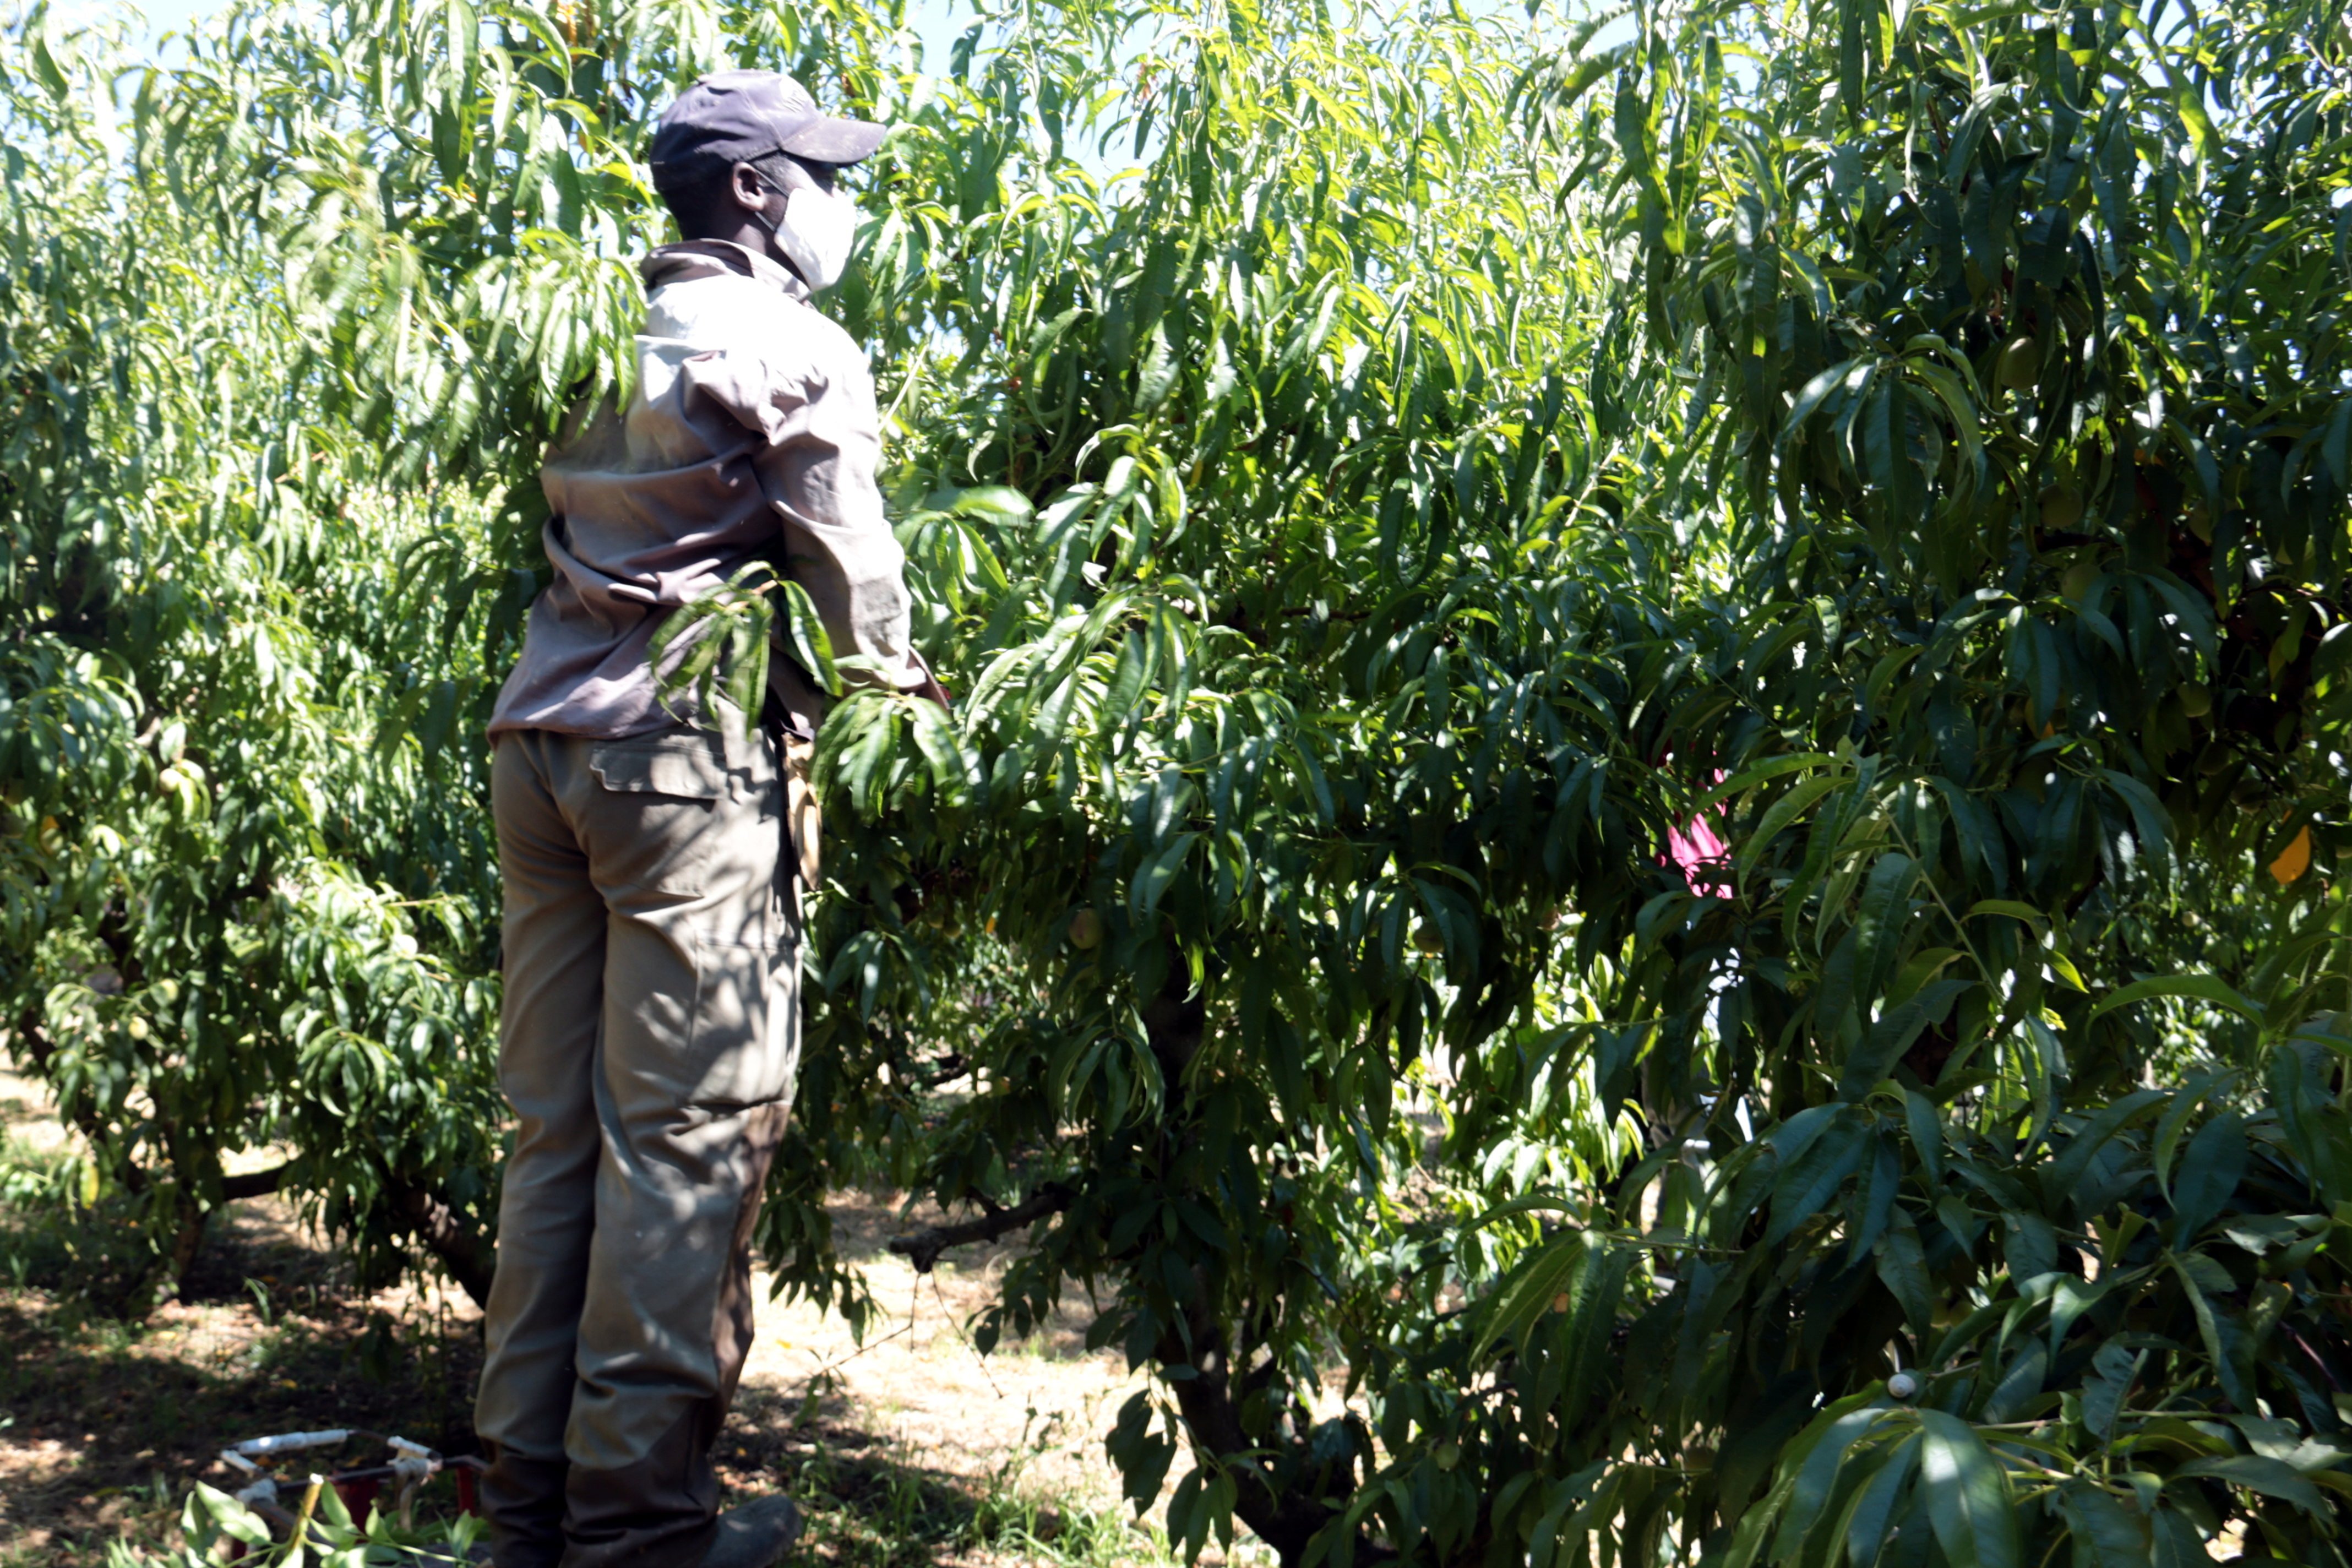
x,y
752,434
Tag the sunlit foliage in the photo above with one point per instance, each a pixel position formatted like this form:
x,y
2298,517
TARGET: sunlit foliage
x,y
1389,492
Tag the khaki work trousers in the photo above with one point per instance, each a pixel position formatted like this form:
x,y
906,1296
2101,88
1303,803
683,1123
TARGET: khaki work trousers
x,y
650,1036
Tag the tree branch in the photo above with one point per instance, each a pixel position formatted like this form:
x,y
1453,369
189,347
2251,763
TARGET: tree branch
x,y
1282,1491
1284,1497
923,1247
466,1253
254,1183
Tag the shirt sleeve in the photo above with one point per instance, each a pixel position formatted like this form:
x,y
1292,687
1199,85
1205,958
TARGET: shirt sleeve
x,y
824,441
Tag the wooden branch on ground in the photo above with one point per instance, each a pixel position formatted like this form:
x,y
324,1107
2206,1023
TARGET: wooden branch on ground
x,y
923,1247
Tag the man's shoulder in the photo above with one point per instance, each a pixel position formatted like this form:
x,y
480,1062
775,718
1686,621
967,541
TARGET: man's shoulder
x,y
726,313
716,309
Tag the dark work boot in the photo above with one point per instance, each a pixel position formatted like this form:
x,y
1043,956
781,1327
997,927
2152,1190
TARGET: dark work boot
x,y
659,1512
758,1535
522,1499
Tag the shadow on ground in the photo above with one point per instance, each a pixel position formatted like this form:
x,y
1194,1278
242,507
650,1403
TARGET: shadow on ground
x,y
105,1423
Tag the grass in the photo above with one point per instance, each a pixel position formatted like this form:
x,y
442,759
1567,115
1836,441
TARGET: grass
x,y
872,1511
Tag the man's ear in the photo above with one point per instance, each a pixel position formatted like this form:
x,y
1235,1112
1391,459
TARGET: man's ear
x,y
750,191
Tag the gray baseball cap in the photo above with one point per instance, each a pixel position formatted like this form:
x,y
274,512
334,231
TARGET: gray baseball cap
x,y
736,116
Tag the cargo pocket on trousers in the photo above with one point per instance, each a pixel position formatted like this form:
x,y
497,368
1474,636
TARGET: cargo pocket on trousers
x,y
746,1043
665,789
690,764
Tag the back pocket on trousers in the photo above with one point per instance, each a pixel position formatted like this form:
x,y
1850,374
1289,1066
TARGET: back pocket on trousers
x,y
690,764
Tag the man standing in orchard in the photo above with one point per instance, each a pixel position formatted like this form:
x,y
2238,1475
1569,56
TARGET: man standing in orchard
x,y
652,1026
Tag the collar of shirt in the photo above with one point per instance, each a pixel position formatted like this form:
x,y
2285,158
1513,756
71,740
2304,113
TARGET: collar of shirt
x,y
706,258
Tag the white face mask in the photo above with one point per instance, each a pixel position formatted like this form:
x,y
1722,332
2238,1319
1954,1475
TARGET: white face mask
x,y
819,230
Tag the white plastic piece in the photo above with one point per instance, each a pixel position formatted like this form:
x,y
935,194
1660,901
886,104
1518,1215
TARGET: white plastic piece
x,y
1903,1386
412,1465
263,1491
286,1443
239,1462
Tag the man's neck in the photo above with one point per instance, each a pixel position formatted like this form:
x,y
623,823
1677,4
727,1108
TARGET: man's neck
x,y
752,263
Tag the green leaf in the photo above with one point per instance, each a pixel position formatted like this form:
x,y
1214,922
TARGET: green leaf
x,y
2108,1533
1893,1035
1532,1202
2176,1540
1808,1182
1968,1494
2210,1174
2067,1170
2301,1074
1158,373
1874,1506
2197,987
2255,1473
2020,1385
1530,1291
955,774
2227,1343
806,637
1903,1269
1152,880
1924,1127
2013,909
1881,913
1817,1479
1780,815
1762,772
228,1515
999,503
2115,1370
1142,1454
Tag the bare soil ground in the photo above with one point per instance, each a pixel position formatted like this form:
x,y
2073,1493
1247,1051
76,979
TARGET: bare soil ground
x,y
910,1450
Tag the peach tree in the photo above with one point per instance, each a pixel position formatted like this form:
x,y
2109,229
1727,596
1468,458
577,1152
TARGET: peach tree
x,y
1639,853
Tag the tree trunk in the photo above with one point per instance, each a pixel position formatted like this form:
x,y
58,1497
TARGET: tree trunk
x,y
1175,1024
470,1256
